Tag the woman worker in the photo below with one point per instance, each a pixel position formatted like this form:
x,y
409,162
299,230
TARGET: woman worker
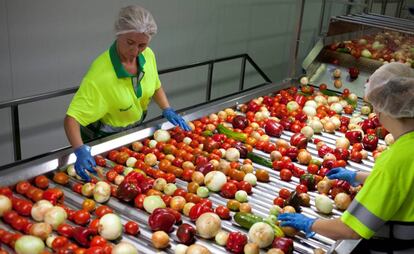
x,y
383,211
116,90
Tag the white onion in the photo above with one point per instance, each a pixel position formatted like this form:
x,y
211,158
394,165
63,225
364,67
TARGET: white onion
x,y
197,249
311,103
389,139
110,226
214,180
39,209
71,170
309,111
292,106
180,249
333,99
208,225
337,107
124,248
87,189
152,143
262,234
323,204
276,155
127,170
352,97
307,131
119,179
55,216
365,110
316,125
232,154
342,143
28,244
102,192
320,99
131,162
50,240
221,238
162,135
335,120
41,230
5,204
304,81
342,201
250,178
153,202
241,196
187,140
159,184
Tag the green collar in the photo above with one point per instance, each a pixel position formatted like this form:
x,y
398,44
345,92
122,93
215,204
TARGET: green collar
x,y
118,67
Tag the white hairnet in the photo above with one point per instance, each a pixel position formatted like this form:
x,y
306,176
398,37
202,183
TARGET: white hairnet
x,y
390,89
134,18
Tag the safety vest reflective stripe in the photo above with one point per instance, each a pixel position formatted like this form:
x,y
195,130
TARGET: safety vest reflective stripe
x,y
369,219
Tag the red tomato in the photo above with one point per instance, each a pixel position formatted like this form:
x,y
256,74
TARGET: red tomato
x,y
279,201
139,201
10,216
95,250
243,185
112,155
77,187
356,156
98,241
81,217
94,225
223,212
285,174
100,161
102,210
228,190
65,230
19,223
59,242
357,147
41,181
313,169
22,187
131,228
323,87
180,192
119,169
301,188
111,174
284,193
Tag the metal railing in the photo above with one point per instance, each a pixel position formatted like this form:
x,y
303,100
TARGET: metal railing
x,y
14,104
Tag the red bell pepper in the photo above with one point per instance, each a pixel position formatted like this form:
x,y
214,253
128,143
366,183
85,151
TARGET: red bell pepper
x,y
344,121
354,136
283,243
198,209
300,99
370,142
341,154
161,219
366,124
273,128
299,140
82,235
53,195
323,150
236,242
127,191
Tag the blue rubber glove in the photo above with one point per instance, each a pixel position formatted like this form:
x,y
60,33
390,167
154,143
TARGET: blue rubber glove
x,y
175,118
84,161
342,174
298,221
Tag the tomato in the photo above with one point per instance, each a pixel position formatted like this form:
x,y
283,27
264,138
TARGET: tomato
x,y
269,147
166,199
102,210
77,187
285,174
95,250
42,182
19,223
193,198
22,187
223,212
356,156
262,175
88,205
6,191
98,241
10,216
61,178
357,147
65,230
25,208
301,188
131,228
107,249
313,169
111,175
59,242
81,217
112,155
243,185
6,238
279,201
284,193
94,225
100,161
228,190
139,201
179,192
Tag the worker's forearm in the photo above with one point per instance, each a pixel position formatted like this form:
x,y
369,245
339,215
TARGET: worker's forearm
x,y
72,129
334,229
161,98
361,176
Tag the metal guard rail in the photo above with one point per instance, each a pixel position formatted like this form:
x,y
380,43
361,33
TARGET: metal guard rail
x,y
14,104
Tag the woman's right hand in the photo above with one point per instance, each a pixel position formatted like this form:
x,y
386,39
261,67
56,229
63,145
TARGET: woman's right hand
x,y
84,161
342,174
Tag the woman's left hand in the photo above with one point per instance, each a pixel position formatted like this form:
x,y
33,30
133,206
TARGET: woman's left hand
x,y
175,118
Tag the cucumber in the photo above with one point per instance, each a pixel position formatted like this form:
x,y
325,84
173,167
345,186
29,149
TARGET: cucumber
x,y
246,220
231,134
259,160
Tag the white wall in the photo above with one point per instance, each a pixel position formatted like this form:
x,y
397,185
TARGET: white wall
x,y
47,45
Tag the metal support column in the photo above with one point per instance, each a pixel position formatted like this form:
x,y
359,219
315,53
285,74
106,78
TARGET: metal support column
x,y
242,73
296,39
209,81
16,132
321,18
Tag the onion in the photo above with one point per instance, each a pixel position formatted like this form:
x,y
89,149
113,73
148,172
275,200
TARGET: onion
x,y
162,136
152,143
342,143
288,209
251,248
39,209
323,204
275,210
304,81
248,168
159,184
50,239
28,244
214,180
137,146
262,234
232,154
221,238
202,192
187,140
241,196
160,239
131,162
102,192
352,97
365,110
364,154
250,178
329,157
41,230
124,248
276,155
55,216
180,249
324,186
329,127
5,204
292,106
110,226
308,132
316,125
282,143
229,111
87,189
153,202
187,208
320,99
333,99
150,159
208,225
342,201
177,203
188,165
119,179
275,251
335,120
304,157
389,139
170,188
197,249
311,103
343,103
71,170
